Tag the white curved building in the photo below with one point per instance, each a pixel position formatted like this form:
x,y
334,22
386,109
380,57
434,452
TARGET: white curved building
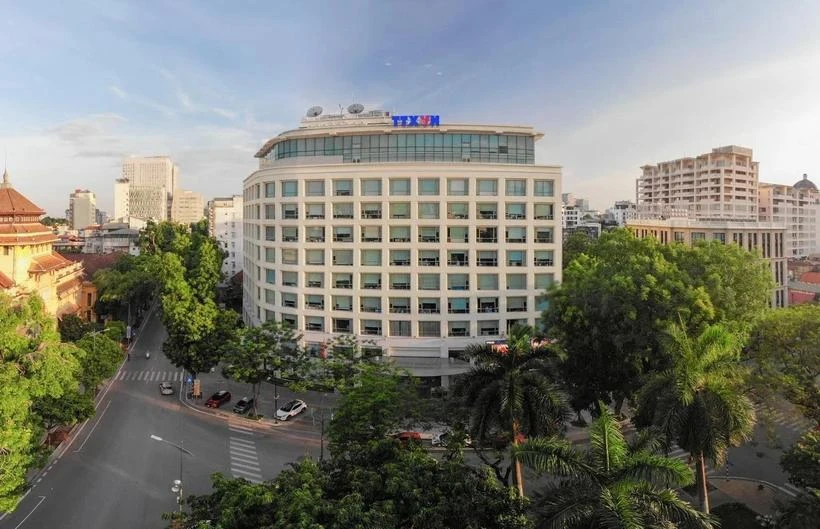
x,y
423,239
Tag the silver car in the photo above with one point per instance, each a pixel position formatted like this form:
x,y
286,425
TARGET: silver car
x,y
165,388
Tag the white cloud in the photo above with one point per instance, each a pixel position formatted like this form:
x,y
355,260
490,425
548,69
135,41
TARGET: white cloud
x,y
119,92
224,113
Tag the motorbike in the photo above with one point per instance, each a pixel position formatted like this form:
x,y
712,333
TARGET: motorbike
x,y
147,355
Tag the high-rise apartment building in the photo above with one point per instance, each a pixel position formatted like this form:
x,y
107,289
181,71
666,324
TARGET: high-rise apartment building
x,y
710,197
148,203
423,237
225,224
121,198
82,209
187,207
796,207
622,211
717,185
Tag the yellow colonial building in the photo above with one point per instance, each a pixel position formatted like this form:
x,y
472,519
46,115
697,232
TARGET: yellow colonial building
x,y
28,262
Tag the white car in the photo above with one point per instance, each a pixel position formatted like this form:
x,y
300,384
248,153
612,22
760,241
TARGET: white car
x,y
291,409
165,388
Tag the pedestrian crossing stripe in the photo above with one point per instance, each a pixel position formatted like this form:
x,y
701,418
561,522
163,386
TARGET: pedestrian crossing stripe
x,y
150,376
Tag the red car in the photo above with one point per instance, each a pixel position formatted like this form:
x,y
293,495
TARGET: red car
x,y
218,399
406,437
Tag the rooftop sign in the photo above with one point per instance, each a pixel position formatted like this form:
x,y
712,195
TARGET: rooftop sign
x,y
416,121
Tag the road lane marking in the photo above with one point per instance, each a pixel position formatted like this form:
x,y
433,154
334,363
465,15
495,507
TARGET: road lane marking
x,y
245,459
240,431
241,441
42,499
163,375
238,471
249,467
235,425
247,450
122,375
94,427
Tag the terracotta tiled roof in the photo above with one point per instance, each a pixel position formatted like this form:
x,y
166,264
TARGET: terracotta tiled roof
x,y
811,277
5,281
68,286
12,203
93,262
47,263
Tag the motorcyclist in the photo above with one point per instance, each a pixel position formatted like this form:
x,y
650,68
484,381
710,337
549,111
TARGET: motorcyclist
x,y
147,354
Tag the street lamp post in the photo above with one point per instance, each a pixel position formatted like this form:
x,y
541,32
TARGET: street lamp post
x,y
176,485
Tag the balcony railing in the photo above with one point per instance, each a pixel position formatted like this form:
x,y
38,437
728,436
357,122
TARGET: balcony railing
x,y
426,261
488,308
400,262
400,239
458,262
488,262
314,284
343,284
372,286
429,310
400,286
487,239
366,308
316,306
543,262
458,332
400,309
342,238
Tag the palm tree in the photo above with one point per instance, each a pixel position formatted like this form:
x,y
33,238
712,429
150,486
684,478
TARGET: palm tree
x,y
699,403
612,485
511,392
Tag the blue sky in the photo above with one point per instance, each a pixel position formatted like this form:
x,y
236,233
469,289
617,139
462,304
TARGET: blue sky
x,y
613,85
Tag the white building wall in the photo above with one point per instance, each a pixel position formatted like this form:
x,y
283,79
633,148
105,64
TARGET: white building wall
x,y
225,224
121,198
83,209
188,207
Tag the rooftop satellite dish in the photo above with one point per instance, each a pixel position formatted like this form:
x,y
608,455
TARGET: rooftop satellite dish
x,y
314,111
356,108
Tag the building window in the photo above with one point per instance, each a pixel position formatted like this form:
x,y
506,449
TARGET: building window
x,y
371,327
372,210
458,282
290,211
270,189
458,234
428,210
290,188
543,258
343,257
516,188
458,305
544,188
516,211
315,211
315,301
315,323
290,234
270,276
429,234
543,281
370,304
399,328
399,305
457,210
270,255
487,281
315,188
270,211
315,279
400,281
516,281
371,258
430,329
429,282
429,186
372,188
343,234
371,281
544,212
315,233
400,210
487,258
487,187
343,188
343,325
487,210
429,306
371,234
400,187
290,279
543,235
289,300
486,234
458,187
344,281
516,234
516,257
488,328
399,233
399,257
343,303
290,256
270,233
315,257
517,304
428,258
343,211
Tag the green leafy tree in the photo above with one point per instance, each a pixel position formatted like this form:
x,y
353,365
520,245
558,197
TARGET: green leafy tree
x,y
612,485
72,328
512,392
165,236
615,300
130,284
699,402
100,359
69,409
576,244
785,351
34,365
204,266
739,283
802,512
256,352
802,462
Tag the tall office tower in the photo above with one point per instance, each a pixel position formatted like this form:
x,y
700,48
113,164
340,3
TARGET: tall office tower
x,y
82,208
156,172
187,207
797,207
148,203
420,236
121,198
225,224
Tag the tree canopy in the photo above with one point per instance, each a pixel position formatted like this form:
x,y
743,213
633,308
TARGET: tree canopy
x,y
34,365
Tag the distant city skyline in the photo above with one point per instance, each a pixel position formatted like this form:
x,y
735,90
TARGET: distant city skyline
x,y
612,86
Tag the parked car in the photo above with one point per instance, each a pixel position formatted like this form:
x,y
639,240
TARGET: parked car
x,y
218,399
443,438
244,405
165,388
291,409
406,437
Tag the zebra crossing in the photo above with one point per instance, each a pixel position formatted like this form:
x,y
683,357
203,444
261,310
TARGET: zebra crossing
x,y
675,451
793,421
242,449
149,375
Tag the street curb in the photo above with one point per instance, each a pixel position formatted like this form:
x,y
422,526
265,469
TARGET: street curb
x,y
263,424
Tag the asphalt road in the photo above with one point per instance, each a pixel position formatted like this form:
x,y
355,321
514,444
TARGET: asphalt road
x,y
114,475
